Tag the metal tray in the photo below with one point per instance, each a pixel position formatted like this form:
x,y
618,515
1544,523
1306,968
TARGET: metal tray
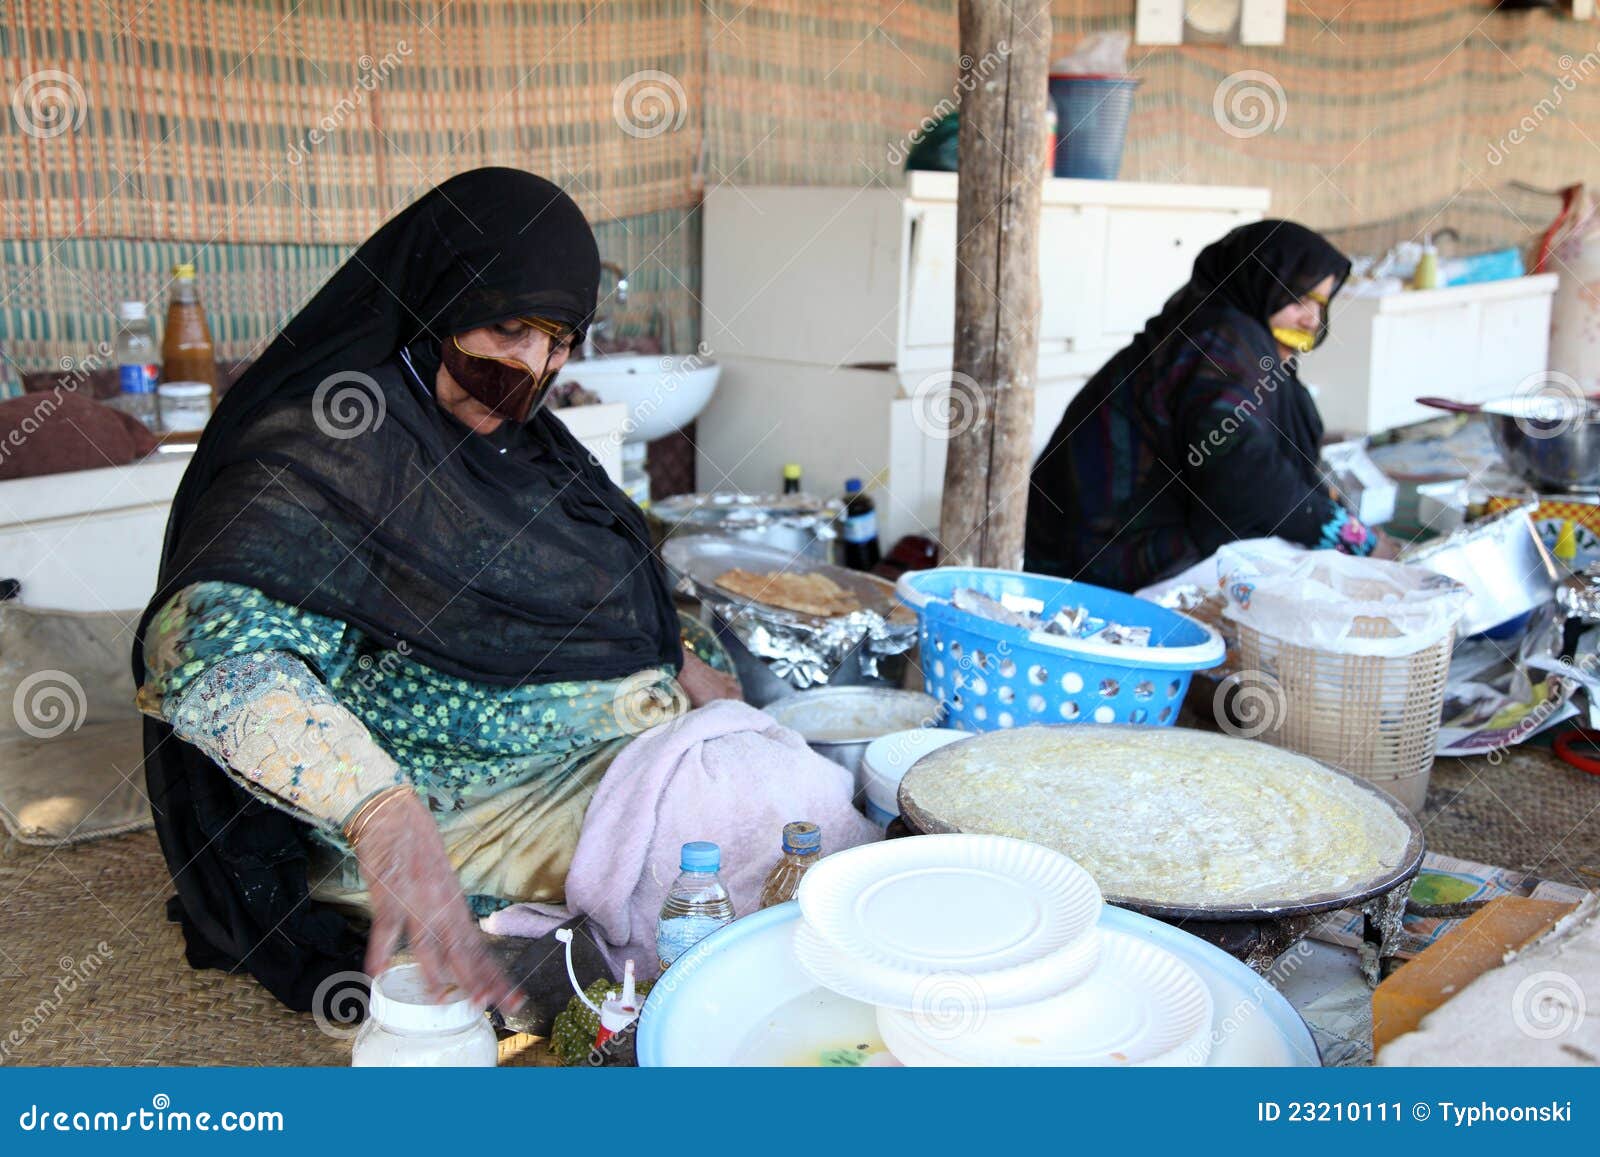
x,y
698,560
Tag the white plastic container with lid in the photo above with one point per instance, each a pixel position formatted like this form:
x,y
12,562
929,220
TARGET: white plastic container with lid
x,y
888,758
404,1029
184,405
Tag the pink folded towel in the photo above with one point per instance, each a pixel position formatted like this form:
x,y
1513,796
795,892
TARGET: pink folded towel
x,y
725,773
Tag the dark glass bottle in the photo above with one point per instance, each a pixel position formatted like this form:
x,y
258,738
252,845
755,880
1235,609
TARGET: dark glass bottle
x,y
860,527
791,478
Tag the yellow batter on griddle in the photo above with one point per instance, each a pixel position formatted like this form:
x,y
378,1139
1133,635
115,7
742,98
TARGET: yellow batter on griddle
x,y
1167,815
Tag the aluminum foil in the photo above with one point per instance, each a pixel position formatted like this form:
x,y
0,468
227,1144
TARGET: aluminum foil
x,y
804,652
1578,595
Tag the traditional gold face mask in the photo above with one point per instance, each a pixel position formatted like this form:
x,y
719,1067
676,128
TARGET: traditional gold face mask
x,y
511,389
1301,340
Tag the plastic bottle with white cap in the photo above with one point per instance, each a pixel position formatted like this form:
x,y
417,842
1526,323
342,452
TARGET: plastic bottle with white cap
x,y
405,1029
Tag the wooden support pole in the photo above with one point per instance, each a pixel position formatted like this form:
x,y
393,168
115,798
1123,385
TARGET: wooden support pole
x,y
1005,65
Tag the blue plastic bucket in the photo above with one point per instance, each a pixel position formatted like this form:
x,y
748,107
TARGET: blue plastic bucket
x,y
1091,124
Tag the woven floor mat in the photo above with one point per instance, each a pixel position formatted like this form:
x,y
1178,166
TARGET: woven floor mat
x,y
91,973
1530,811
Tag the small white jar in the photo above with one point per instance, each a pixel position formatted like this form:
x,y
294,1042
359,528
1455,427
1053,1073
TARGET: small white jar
x,y
404,1029
184,405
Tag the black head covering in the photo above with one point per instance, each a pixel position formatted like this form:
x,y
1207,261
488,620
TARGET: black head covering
x,y
330,478
1256,270
1100,507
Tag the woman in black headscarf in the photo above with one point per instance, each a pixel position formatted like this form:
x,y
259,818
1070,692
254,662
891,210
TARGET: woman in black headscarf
x,y
1200,431
404,619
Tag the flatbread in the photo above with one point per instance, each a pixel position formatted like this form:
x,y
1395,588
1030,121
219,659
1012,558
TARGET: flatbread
x,y
1166,816
808,594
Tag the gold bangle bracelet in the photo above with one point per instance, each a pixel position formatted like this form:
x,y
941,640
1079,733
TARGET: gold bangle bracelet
x,y
356,827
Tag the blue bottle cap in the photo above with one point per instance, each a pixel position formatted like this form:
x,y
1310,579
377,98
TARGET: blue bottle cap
x,y
700,856
802,838
851,485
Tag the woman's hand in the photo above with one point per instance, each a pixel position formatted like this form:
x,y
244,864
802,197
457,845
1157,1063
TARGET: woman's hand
x,y
703,683
415,894
1387,547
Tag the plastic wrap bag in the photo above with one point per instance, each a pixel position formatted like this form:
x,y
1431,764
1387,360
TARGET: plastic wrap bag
x,y
1339,602
1103,54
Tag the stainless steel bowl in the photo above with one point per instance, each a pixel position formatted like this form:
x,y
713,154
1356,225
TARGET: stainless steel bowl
x,y
1551,439
838,722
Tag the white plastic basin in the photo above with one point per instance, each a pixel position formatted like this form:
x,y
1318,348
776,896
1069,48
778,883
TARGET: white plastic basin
x,y
743,984
662,393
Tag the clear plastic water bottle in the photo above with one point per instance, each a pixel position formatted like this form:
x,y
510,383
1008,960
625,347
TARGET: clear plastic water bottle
x,y
697,903
137,368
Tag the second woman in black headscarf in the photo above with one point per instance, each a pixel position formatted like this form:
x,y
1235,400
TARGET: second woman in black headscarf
x,y
1200,431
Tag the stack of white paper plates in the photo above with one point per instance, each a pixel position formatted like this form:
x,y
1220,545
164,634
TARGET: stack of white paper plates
x,y
983,950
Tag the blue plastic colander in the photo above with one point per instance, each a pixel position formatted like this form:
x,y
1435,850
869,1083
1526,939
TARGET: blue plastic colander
x,y
991,675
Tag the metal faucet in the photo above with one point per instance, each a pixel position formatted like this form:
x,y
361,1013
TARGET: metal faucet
x,y
601,326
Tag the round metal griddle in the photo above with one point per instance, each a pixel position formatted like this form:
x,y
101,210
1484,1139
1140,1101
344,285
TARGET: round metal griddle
x,y
1255,933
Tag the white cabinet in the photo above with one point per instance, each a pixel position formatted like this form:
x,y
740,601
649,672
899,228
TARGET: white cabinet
x,y
832,312
1472,343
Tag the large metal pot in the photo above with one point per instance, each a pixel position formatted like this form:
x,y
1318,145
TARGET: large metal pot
x,y
1552,440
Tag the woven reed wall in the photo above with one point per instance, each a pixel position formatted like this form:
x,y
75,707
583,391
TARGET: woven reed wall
x,y
264,138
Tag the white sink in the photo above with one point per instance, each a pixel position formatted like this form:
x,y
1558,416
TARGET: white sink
x,y
662,393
